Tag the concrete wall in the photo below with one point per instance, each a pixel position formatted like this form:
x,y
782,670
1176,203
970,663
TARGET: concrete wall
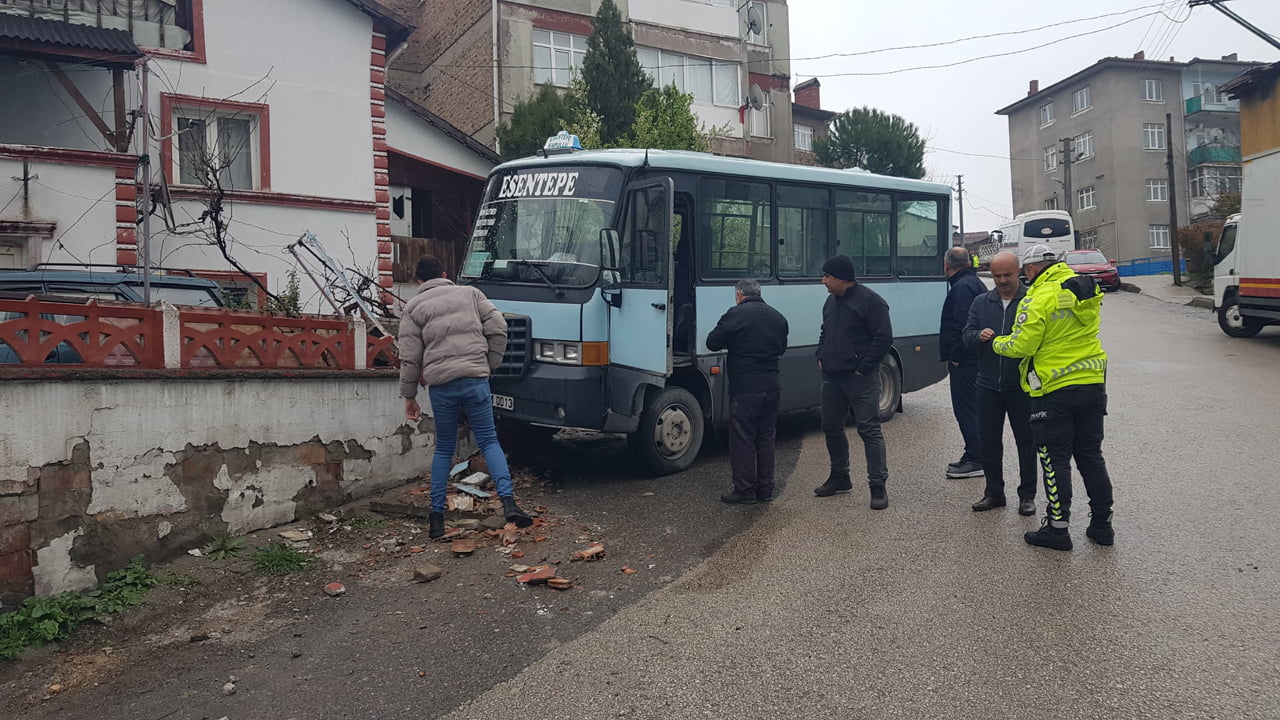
x,y
60,194
95,472
47,115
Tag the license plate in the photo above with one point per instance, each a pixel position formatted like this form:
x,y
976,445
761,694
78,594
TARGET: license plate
x,y
504,402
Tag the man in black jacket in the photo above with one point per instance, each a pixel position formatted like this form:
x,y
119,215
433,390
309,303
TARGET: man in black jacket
x,y
1000,391
962,361
755,336
856,336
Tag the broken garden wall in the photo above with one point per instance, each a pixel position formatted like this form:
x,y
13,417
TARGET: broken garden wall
x,y
95,471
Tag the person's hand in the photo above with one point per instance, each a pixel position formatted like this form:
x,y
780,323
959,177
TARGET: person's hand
x,y
412,410
986,334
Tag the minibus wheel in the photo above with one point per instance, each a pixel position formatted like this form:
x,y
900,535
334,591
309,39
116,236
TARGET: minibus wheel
x,y
890,387
1232,323
670,433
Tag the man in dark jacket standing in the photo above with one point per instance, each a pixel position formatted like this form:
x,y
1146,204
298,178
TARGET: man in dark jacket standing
x,y
962,362
755,336
1000,390
856,336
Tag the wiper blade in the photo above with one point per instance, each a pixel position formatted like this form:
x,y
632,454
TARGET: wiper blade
x,y
542,274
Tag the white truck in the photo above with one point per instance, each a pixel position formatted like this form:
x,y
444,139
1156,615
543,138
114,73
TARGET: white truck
x,y
1246,272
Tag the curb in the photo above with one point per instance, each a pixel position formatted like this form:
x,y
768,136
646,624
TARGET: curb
x,y
1205,303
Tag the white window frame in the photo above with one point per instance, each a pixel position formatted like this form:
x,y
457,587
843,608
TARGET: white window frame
x,y
1089,239
804,137
21,248
1046,114
1153,133
1157,190
1083,142
1158,237
1051,158
211,116
1152,90
761,38
1081,100
721,70
557,42
1215,98
1210,181
1086,198
759,120
1051,203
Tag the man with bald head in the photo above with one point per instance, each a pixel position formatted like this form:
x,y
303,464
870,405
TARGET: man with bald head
x,y
1000,392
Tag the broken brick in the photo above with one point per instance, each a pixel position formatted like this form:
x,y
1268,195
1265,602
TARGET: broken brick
x,y
593,551
463,547
539,574
628,571
452,534
334,589
559,583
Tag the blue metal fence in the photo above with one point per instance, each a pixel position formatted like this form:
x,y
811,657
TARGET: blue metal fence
x,y
1148,266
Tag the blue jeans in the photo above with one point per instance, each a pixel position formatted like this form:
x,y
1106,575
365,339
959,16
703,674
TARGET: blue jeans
x,y
470,397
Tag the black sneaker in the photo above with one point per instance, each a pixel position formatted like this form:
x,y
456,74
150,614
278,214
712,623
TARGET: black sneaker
x,y
514,514
436,525
1100,531
833,486
1049,536
735,498
879,497
965,470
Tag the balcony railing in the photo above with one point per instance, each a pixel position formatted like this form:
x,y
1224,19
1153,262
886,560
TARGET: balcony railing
x,y
153,23
1211,154
1197,104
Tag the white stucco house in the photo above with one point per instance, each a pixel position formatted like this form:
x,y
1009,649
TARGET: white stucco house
x,y
281,106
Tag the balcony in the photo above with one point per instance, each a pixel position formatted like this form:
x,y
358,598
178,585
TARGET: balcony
x,y
1213,155
1197,104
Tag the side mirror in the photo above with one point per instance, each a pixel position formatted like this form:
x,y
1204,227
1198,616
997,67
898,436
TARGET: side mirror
x,y
612,296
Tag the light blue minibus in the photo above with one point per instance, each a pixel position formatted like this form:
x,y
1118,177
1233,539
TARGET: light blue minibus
x,y
611,267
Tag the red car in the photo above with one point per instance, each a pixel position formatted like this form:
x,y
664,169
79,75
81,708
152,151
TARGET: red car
x,y
1096,265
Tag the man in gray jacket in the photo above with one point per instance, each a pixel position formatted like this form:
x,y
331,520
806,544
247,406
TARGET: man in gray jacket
x,y
452,337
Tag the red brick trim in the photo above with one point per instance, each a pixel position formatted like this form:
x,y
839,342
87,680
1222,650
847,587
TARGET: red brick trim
x,y
197,52
381,182
67,156
544,19
256,197
261,111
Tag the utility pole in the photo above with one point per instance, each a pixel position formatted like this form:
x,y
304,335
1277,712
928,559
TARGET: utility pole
x,y
1066,174
1173,201
1217,5
960,204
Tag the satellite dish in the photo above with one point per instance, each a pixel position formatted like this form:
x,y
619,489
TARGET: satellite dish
x,y
755,20
755,97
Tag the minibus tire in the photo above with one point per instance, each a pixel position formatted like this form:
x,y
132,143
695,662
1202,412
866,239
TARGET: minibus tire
x,y
890,387
1233,324
670,453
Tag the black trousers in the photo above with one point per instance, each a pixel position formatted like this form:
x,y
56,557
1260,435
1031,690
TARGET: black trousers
x,y
964,403
993,407
845,392
1067,424
753,429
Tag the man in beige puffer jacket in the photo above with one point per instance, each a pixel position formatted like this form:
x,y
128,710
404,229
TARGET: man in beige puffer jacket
x,y
451,338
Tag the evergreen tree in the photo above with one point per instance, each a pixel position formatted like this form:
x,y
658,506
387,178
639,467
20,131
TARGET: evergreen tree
x,y
615,82
532,122
875,141
665,121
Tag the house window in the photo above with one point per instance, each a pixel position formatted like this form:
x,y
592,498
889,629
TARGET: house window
x,y
760,119
1153,90
1051,203
1089,239
1208,93
557,56
1153,136
711,82
1051,158
1210,181
1080,100
804,138
1046,114
1084,145
219,141
755,10
1084,198
1157,191
1159,236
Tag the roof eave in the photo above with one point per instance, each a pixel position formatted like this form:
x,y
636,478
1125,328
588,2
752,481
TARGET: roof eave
x,y
444,126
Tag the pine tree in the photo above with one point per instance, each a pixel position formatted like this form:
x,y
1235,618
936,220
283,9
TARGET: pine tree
x,y
532,122
615,82
875,141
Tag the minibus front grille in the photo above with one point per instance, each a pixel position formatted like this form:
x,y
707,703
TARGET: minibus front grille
x,y
515,362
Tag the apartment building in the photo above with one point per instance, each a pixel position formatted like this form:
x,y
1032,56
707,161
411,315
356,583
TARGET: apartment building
x,y
1111,117
475,59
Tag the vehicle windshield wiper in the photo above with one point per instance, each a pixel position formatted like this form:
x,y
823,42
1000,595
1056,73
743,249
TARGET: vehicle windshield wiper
x,y
542,274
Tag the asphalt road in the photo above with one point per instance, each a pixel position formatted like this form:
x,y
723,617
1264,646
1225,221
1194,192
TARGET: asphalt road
x,y
822,608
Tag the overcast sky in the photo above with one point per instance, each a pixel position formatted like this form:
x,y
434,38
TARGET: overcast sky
x,y
955,107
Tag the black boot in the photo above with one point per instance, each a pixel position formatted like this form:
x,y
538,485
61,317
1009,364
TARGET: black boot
x,y
834,485
879,498
1100,530
514,514
1048,536
436,525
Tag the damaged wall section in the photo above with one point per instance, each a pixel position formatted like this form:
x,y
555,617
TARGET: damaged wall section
x,y
95,472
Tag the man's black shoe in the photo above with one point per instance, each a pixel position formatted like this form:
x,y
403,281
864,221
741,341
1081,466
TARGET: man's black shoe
x,y
734,498
1027,506
879,498
988,503
833,486
436,525
964,470
1049,536
1101,532
514,514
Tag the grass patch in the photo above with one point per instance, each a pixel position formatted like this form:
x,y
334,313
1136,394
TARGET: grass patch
x,y
363,521
179,580
42,620
279,559
223,547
